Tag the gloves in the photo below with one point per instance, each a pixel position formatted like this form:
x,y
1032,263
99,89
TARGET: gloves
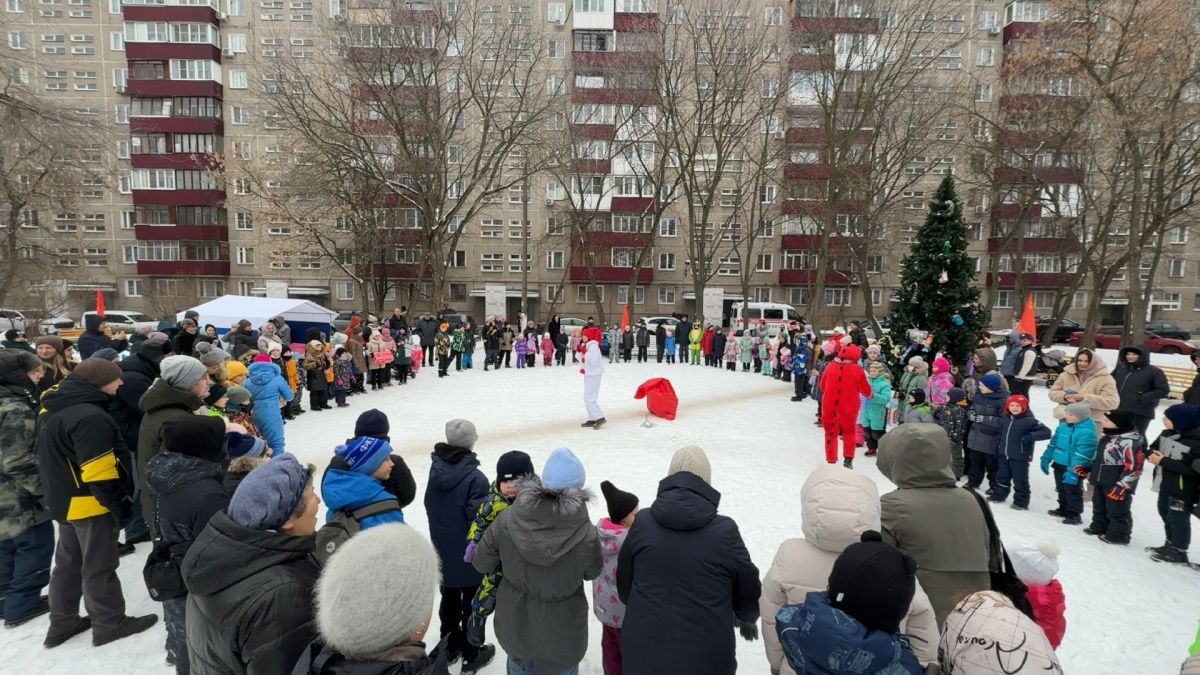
x,y
123,512
1046,465
581,371
1082,470
1070,478
470,552
1117,493
748,629
971,416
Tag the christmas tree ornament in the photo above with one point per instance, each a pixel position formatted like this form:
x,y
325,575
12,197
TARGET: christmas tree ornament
x,y
943,278
957,319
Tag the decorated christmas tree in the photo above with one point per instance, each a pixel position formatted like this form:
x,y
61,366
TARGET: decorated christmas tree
x,y
937,290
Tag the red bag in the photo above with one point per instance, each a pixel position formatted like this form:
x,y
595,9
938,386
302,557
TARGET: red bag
x,y
382,358
660,397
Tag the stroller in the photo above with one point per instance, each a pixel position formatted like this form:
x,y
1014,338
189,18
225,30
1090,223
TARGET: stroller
x,y
1052,363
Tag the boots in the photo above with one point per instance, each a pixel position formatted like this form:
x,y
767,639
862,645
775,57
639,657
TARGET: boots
x,y
57,636
130,625
483,657
848,462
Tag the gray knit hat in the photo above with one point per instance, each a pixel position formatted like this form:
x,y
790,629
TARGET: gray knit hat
x,y
1082,410
182,372
359,616
267,496
209,355
692,459
461,434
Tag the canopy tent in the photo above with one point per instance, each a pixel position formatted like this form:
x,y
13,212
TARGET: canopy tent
x,y
227,310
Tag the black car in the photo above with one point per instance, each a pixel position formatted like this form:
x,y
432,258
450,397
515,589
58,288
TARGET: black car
x,y
1063,334
1168,330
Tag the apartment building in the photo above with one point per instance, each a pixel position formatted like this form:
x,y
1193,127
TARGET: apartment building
x,y
182,81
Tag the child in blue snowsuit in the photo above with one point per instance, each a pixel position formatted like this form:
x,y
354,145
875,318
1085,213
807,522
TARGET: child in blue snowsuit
x,y
267,387
669,347
1073,445
800,368
1019,430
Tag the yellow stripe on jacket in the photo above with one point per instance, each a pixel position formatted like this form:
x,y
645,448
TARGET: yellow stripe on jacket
x,y
102,467
86,506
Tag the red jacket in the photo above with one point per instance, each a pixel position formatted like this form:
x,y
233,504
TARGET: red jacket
x,y
842,382
1049,610
706,341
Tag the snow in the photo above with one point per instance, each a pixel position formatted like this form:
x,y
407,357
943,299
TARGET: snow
x,y
1125,612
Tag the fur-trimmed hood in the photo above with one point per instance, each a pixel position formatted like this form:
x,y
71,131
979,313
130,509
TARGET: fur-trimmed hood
x,y
546,524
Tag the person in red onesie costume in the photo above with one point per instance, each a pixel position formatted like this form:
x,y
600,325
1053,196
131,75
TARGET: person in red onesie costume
x,y
842,383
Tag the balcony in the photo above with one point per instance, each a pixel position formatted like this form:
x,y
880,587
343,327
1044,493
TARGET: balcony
x,y
1034,102
166,88
614,96
173,160
591,166
631,204
816,207
841,25
808,277
597,239
812,62
179,197
816,136
177,125
1033,279
170,13
135,51
178,268
633,22
392,55
811,242
181,232
610,275
394,270
1014,211
593,132
1033,245
623,60
1045,174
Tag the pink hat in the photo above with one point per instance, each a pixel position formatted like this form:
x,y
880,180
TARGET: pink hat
x,y
262,358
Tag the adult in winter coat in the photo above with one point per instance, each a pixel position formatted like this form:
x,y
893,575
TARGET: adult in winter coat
x,y
1086,379
358,356
642,339
928,517
837,506
138,372
548,547
93,338
267,388
983,431
427,327
185,340
1140,385
983,361
1018,433
453,494
554,328
685,577
55,366
26,534
242,335
179,391
507,337
660,341
842,384
1191,395
1012,357
915,376
1026,366
186,478
250,575
682,330
858,337
1114,472
267,338
397,320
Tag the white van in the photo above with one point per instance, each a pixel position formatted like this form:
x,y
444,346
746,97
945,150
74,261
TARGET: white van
x,y
775,314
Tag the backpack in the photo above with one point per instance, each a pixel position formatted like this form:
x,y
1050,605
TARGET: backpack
x,y
346,523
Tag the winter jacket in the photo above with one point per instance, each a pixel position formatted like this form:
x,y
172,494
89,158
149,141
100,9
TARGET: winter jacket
x,y
718,344
643,337
426,328
921,414
320,659
315,363
291,372
940,383
1140,385
188,492
183,343
931,519
242,337
343,372
1027,362
93,340
507,338
1191,395
267,387
1118,460
375,344
21,503
669,345
160,403
1096,386
606,604
1018,433
874,410
358,353
548,547
79,450
660,336
842,383
837,506
342,489
1049,610
983,421
138,372
265,342
1012,354
987,364
250,605
910,381
1175,476
453,495
682,330
684,575
441,342
1072,445
858,338
492,505
953,419
744,344
706,339
827,641
14,344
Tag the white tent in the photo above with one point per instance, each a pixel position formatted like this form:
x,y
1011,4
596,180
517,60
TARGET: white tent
x,y
227,310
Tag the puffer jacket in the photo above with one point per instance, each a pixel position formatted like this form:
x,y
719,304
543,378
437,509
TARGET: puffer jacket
x,y
827,641
1096,386
1049,609
1118,460
874,411
836,507
348,490
987,364
941,382
606,604
1175,476
188,492
1140,385
267,387
21,504
93,340
930,518
138,372
1018,433
408,658
910,380
983,421
250,599
1072,445
160,403
455,490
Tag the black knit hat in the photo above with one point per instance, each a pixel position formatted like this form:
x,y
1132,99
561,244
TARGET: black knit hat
x,y
372,423
1122,419
513,464
873,582
620,504
918,396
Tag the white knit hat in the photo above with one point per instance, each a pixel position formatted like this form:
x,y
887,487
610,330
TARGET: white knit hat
x,y
375,591
1034,562
692,459
986,635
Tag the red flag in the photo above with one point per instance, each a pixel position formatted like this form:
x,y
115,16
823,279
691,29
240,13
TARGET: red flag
x,y
99,302
1028,324
624,316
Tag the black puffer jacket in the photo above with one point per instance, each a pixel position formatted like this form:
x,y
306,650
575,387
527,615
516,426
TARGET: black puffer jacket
x,y
92,340
187,490
1140,385
453,494
138,372
684,574
250,607
321,660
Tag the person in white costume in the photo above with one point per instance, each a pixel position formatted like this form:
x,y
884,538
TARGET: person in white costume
x,y
593,368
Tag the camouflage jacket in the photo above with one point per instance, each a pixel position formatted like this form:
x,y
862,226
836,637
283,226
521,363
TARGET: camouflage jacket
x,y
20,483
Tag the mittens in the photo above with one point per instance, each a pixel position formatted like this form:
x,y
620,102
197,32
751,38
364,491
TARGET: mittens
x,y
1046,465
1070,478
1117,493
470,552
1082,471
748,629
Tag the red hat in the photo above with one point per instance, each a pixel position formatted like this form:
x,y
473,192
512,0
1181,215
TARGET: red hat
x,y
262,358
1019,400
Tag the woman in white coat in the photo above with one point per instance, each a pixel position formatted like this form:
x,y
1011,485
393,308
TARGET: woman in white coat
x,y
1086,379
837,505
593,368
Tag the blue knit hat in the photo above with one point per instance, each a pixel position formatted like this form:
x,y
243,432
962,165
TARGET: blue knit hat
x,y
991,381
1183,417
244,445
563,470
268,495
364,454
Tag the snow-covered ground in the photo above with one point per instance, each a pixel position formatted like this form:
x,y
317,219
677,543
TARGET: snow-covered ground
x,y
1125,613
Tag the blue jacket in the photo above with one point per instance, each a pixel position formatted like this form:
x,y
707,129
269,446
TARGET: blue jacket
x,y
456,489
874,410
341,489
983,421
1018,434
820,640
1073,445
267,386
800,359
669,344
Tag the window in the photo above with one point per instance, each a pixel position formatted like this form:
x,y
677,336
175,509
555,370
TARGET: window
x,y
765,262
983,92
622,257
245,255
1079,300
800,296
773,16
667,227
129,254
1175,270
837,297
1044,298
666,295
211,288
1004,299
586,293
236,42
555,191
13,6
554,293
876,297
192,69
987,20
241,221
555,260
639,296
238,80
1179,235
556,49
240,115
985,56
343,290
666,261
556,12
133,288
16,39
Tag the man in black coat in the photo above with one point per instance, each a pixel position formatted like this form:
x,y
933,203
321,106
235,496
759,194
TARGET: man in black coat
x,y
858,336
685,571
1141,385
491,344
397,321
243,336
426,329
93,338
718,347
660,341
681,338
184,341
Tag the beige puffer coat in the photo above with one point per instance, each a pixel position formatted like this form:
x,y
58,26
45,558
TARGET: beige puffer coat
x,y
837,506
1097,387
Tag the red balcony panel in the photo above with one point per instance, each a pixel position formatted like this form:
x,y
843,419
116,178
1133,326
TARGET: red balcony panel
x,y
796,277
806,24
170,13
179,197
635,22
164,88
179,268
136,51
178,160
395,201
1033,279
416,17
406,237
593,132
811,62
1010,175
1033,245
610,275
606,239
612,96
1045,174
181,232
1017,29
631,204
177,125
581,59
793,171
591,166
816,136
1014,211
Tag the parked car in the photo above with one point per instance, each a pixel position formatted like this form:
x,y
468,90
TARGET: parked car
x,y
52,325
1066,328
342,320
122,320
1168,330
11,318
570,323
1109,337
652,323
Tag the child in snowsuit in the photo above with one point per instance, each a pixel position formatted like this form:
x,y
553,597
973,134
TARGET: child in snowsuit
x,y
521,348
343,376
547,349
1036,565
917,409
1019,430
785,363
731,352
511,467
267,387
315,363
531,348
694,338
764,357
627,344
953,418
1173,454
608,608
468,348
560,349
756,350
669,347
800,370
873,417
1073,446
939,385
983,431
458,343
1114,472
745,345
